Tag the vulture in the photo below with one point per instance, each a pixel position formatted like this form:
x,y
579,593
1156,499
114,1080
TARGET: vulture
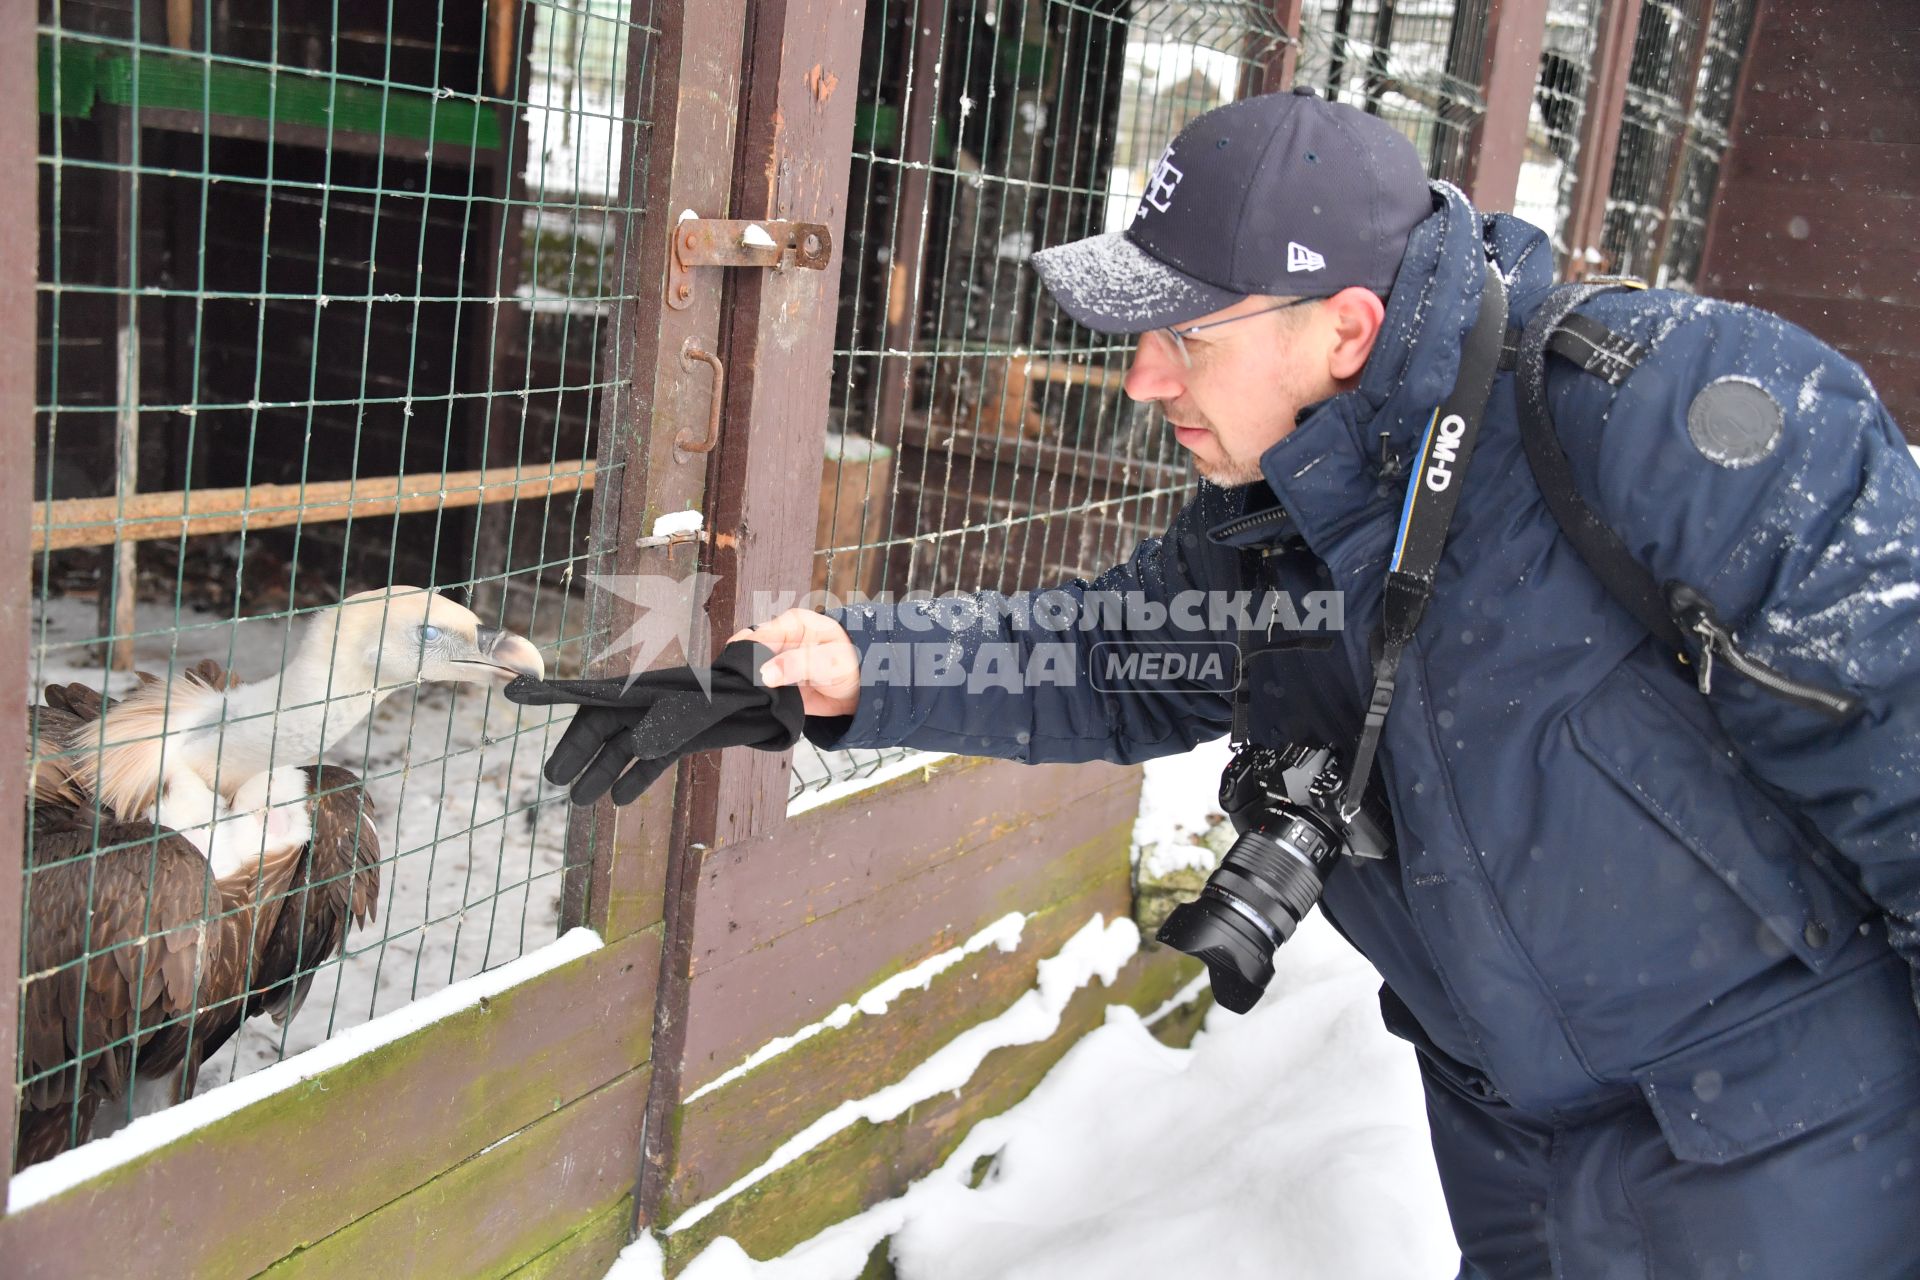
x,y
192,861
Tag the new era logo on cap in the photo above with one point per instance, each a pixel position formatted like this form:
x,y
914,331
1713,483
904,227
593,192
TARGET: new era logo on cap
x,y
1301,258
1160,187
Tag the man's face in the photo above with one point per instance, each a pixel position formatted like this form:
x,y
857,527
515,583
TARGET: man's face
x,y
1239,390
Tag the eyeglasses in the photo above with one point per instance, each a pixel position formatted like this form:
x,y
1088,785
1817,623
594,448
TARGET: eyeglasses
x,y
1178,336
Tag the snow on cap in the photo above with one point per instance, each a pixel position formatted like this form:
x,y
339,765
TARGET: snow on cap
x,y
1285,194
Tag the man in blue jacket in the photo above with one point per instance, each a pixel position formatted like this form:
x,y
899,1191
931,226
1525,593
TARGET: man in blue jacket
x,y
1651,925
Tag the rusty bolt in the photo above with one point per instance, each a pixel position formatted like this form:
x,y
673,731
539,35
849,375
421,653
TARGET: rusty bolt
x,y
683,291
813,244
692,239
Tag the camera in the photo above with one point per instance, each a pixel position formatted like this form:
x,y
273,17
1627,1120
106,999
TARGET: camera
x,y
1285,807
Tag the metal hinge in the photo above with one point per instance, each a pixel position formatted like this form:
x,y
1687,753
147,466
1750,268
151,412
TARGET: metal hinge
x,y
741,242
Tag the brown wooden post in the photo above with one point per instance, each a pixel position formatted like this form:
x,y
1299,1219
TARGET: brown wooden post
x,y
1284,62
1600,134
617,860
794,163
907,270
19,264
1677,162
500,363
1509,69
1711,243
119,591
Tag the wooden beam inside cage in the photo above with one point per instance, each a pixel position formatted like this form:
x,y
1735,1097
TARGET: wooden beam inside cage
x,y
150,517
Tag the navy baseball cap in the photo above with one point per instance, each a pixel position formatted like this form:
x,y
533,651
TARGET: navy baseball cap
x,y
1285,194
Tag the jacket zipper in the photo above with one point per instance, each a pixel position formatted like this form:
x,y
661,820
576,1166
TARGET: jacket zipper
x,y
1697,617
1273,515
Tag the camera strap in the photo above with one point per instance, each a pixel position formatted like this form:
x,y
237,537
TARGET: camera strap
x,y
1433,491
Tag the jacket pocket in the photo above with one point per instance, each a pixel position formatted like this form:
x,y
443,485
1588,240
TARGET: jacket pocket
x,y
1683,771
1821,1055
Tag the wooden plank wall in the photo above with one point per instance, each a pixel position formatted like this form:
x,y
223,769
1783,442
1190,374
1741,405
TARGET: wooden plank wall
x,y
472,1147
1820,188
794,923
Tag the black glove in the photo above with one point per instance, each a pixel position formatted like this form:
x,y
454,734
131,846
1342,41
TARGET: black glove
x,y
627,734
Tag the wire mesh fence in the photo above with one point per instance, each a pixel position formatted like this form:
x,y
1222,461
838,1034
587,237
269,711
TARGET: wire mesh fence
x,y
1673,132
978,437
329,298
1547,171
1413,63
1703,142
324,297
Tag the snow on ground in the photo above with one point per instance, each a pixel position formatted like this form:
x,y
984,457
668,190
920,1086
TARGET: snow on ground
x,y
471,855
1288,1143
1179,802
574,139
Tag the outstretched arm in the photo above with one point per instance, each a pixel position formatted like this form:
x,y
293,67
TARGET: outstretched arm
x,y
1029,676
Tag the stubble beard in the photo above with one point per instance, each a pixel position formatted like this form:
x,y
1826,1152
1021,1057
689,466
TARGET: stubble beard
x,y
1229,472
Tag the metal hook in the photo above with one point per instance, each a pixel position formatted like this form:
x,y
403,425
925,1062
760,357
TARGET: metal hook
x,y
690,351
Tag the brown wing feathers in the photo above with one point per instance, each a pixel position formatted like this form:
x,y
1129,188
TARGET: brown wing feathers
x,y
136,960
106,977
338,879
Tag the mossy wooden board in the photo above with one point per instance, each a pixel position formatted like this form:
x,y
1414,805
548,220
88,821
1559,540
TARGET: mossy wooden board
x,y
792,924
247,1189
868,1163
588,1253
725,1133
501,1208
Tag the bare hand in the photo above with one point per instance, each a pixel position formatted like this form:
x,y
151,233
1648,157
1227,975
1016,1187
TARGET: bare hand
x,y
812,652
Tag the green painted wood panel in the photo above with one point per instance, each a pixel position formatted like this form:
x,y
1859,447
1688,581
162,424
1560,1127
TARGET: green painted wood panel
x,y
725,1133
91,74
246,1190
502,1208
868,1163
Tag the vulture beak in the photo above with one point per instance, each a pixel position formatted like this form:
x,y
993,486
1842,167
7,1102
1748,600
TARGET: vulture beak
x,y
511,655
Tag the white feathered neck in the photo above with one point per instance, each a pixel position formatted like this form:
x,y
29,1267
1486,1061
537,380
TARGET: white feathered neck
x,y
226,736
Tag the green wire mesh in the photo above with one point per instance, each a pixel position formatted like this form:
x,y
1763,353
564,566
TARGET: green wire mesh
x,y
288,253
1545,191
1673,131
978,438
1414,63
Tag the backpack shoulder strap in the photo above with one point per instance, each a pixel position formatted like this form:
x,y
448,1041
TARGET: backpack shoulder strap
x,y
1556,329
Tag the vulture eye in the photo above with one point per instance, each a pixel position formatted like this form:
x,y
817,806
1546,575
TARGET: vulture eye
x,y
429,633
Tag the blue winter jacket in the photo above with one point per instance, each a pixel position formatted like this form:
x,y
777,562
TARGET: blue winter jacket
x,y
1604,881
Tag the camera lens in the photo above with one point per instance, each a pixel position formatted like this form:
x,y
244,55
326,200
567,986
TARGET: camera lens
x,y
1264,887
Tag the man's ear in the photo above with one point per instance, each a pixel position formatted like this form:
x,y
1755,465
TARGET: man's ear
x,y
1356,315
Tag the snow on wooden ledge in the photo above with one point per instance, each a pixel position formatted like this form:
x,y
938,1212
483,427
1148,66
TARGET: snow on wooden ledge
x,y
150,1133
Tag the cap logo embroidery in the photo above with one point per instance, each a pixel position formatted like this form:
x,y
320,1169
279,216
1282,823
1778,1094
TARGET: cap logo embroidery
x,y
1301,258
1160,187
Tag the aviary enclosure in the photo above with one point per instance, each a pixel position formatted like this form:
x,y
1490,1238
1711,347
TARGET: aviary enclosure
x,y
452,304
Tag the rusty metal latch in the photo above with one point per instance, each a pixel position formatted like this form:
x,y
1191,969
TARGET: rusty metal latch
x,y
740,242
